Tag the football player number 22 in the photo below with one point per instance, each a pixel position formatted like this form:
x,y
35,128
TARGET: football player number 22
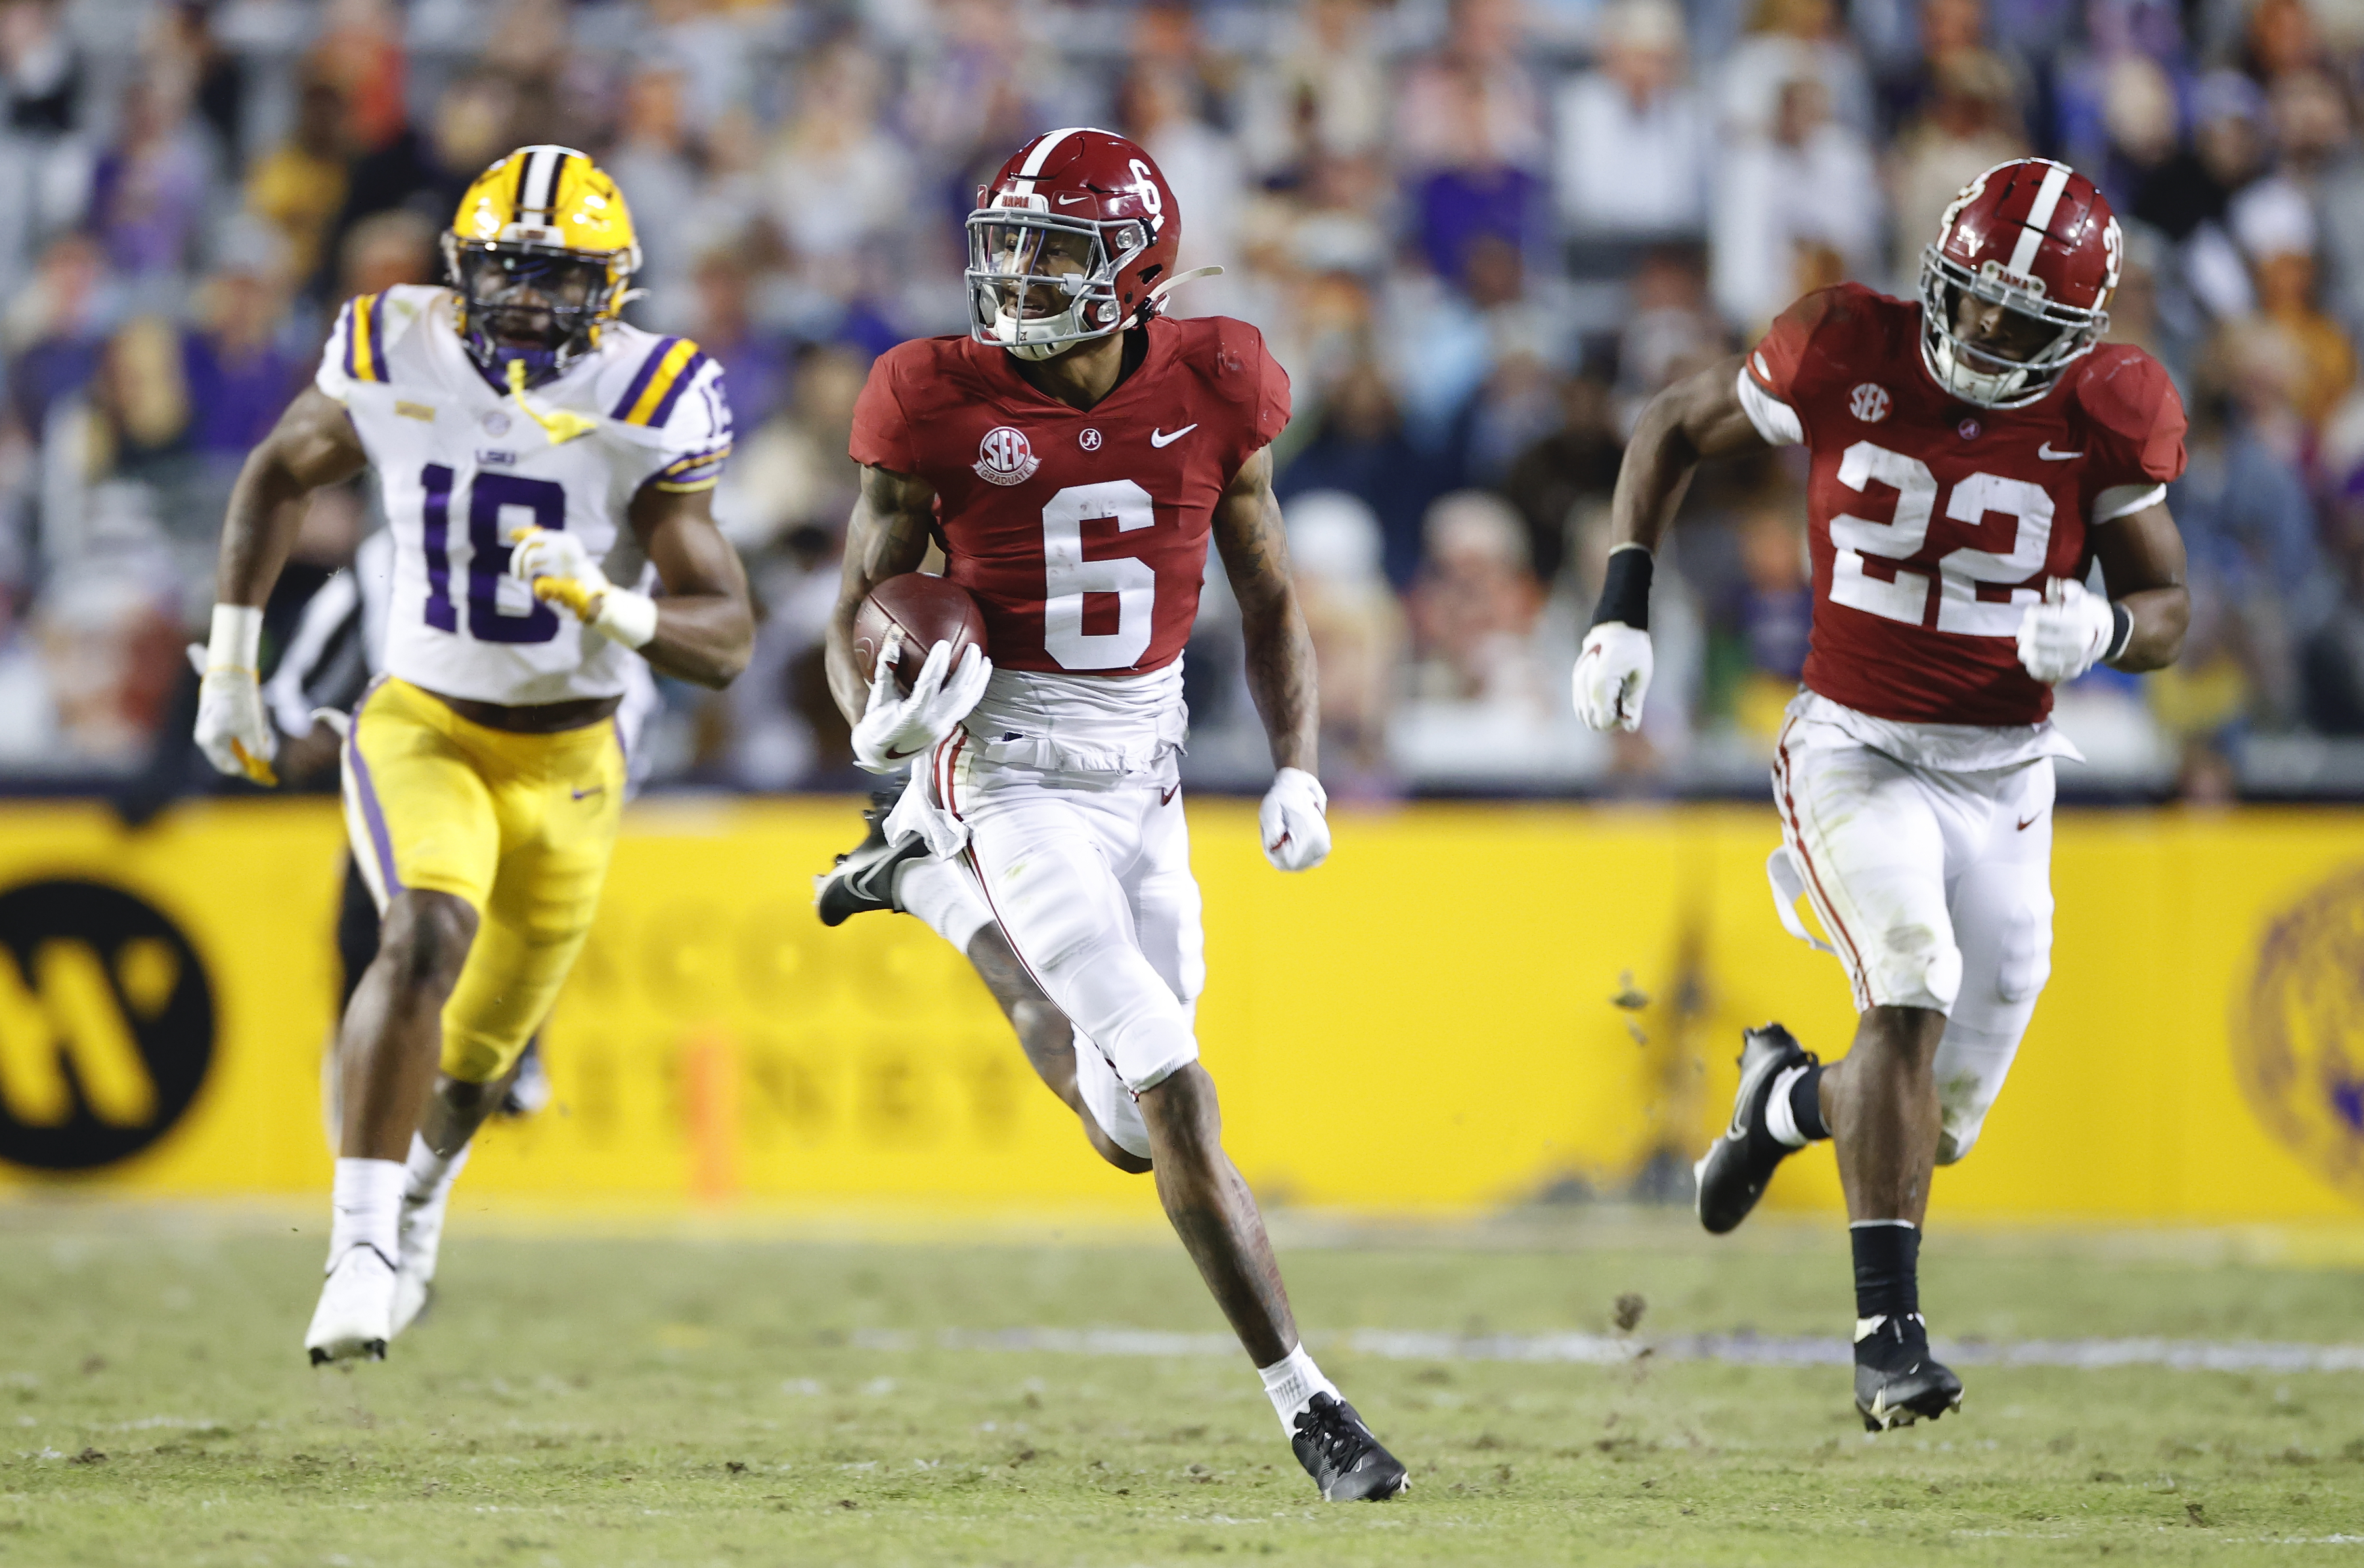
x,y
535,501
2026,508
1067,577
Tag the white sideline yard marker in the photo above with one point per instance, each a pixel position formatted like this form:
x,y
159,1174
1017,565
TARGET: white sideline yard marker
x,y
1603,1350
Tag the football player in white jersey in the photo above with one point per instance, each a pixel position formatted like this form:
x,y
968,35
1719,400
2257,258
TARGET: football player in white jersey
x,y
546,471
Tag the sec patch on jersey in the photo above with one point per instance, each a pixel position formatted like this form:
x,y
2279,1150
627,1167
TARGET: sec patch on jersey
x,y
1081,533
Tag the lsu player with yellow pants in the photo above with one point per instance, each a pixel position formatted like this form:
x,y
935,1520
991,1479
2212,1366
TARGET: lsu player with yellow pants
x,y
547,473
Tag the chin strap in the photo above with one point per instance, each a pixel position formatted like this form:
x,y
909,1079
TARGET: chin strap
x,y
1177,280
559,425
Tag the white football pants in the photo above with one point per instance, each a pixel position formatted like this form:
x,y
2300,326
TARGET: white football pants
x,y
945,896
1935,889
1088,875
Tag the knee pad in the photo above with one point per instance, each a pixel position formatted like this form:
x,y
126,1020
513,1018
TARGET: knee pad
x,y
1051,907
1916,966
1151,1047
1106,1099
1971,1066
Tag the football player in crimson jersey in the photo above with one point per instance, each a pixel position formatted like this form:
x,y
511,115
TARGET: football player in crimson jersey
x,y
1073,454
1973,455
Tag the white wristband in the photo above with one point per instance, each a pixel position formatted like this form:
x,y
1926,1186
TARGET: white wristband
x,y
236,640
629,617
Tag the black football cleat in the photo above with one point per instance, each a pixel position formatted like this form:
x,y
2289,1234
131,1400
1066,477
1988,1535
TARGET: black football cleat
x,y
1344,1459
1731,1176
863,879
1897,1381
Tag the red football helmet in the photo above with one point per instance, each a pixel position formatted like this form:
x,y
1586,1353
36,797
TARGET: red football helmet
x,y
2037,237
1074,238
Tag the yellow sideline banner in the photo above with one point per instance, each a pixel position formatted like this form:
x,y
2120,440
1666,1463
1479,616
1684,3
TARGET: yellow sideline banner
x,y
1427,1022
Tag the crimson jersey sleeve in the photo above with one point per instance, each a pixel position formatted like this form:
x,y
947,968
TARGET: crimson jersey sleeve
x,y
2134,423
1247,376
1786,366
882,426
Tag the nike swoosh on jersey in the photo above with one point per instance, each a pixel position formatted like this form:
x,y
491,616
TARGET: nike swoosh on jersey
x,y
1165,796
2048,455
1070,201
1160,438
2023,827
898,756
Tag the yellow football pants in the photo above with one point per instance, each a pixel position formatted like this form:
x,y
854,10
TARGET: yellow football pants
x,y
520,826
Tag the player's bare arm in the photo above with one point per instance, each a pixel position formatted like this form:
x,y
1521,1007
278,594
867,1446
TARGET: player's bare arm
x,y
1254,548
702,630
886,536
313,445
1293,819
706,623
1697,419
2143,566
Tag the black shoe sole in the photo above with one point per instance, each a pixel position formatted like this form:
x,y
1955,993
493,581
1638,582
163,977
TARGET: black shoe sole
x,y
1378,1489
1942,1392
371,1350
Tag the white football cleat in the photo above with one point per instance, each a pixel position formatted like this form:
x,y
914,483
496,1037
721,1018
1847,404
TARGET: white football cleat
x,y
355,1316
422,1238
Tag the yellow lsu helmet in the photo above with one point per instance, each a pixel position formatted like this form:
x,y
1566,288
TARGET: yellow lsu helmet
x,y
542,254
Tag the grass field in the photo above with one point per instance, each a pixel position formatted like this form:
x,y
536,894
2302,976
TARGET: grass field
x,y
746,1395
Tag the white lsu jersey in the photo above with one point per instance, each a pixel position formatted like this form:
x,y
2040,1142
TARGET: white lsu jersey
x,y
463,466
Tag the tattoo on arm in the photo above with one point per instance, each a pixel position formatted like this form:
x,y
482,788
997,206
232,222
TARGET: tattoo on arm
x,y
1254,545
886,536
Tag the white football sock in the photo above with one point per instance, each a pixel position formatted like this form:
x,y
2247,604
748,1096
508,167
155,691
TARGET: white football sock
x,y
1780,1115
368,1199
1291,1383
428,1175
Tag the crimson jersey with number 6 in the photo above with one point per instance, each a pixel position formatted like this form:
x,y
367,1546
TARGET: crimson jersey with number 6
x,y
1083,535
1934,522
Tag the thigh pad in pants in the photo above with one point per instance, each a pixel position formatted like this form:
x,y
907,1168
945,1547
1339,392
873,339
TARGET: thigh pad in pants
x,y
1869,841
1047,865
2002,907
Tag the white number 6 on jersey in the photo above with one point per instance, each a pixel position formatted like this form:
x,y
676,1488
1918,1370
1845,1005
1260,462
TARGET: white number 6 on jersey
x,y
1067,577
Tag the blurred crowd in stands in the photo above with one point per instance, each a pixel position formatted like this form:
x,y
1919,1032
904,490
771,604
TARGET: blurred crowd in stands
x,y
1478,233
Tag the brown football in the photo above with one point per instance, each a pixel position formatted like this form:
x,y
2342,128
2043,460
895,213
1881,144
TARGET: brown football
x,y
929,610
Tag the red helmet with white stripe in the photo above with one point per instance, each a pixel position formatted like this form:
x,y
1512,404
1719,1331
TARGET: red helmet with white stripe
x,y
2036,237
1074,238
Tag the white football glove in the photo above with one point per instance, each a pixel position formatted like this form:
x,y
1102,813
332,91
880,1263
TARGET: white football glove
x,y
1293,820
2066,635
559,568
1612,675
895,729
234,729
